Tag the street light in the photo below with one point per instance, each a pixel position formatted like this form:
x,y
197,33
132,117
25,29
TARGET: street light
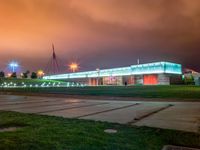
x,y
13,66
73,67
40,73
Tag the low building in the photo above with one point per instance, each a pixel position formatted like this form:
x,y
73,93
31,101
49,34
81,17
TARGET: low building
x,y
158,73
192,77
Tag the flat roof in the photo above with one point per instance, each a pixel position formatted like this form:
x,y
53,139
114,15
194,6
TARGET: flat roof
x,y
149,68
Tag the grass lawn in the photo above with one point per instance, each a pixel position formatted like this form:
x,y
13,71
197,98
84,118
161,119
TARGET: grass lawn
x,y
52,133
33,82
173,91
29,81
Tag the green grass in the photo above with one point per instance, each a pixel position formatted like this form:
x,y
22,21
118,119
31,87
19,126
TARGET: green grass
x,y
56,133
181,91
33,82
29,81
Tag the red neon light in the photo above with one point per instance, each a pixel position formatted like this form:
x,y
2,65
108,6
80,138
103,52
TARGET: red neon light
x,y
150,79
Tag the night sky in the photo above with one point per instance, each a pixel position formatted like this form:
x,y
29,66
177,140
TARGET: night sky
x,y
100,33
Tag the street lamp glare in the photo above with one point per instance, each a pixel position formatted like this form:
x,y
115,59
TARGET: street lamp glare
x,y
74,67
13,65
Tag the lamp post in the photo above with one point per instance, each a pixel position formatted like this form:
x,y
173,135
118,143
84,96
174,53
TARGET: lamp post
x,y
40,73
13,66
73,67
98,71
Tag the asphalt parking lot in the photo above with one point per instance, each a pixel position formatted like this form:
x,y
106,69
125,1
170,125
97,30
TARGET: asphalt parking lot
x,y
169,115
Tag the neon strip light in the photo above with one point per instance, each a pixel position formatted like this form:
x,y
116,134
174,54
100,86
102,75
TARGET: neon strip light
x,y
150,68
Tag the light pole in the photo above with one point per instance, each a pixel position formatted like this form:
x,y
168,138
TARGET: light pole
x,y
13,66
98,71
40,73
73,67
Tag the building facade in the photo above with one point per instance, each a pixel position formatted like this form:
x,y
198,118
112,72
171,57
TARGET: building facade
x,y
158,73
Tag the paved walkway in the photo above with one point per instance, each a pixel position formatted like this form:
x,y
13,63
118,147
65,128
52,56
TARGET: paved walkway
x,y
170,115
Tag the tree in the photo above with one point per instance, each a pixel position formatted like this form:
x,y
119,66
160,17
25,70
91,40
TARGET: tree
x,y
14,75
33,75
2,74
25,74
189,80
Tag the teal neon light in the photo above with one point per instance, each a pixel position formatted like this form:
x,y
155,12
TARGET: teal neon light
x,y
150,68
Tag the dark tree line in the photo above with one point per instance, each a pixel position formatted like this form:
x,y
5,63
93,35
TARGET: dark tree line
x,y
2,74
24,75
34,75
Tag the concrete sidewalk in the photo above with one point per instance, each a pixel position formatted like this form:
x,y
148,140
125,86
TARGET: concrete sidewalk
x,y
169,115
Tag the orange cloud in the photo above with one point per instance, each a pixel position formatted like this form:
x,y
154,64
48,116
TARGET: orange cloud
x,y
83,28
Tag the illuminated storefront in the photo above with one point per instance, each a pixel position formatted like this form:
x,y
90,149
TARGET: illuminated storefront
x,y
158,73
